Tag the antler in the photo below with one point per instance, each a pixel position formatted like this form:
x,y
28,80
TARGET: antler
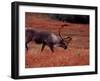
x,y
68,39
62,26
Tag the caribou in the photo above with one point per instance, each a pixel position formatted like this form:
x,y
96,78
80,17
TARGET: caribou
x,y
46,39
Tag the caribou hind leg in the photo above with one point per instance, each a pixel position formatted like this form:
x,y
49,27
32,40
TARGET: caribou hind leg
x,y
26,46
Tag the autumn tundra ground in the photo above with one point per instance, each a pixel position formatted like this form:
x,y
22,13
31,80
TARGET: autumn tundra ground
x,y
77,53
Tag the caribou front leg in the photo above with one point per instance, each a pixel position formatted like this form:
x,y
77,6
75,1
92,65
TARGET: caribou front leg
x,y
43,46
51,46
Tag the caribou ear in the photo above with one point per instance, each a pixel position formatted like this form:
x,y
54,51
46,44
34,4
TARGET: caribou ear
x,y
68,39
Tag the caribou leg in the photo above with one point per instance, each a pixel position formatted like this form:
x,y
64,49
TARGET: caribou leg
x,y
26,46
51,47
43,47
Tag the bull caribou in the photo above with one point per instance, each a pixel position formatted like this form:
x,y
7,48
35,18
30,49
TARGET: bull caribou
x,y
46,38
